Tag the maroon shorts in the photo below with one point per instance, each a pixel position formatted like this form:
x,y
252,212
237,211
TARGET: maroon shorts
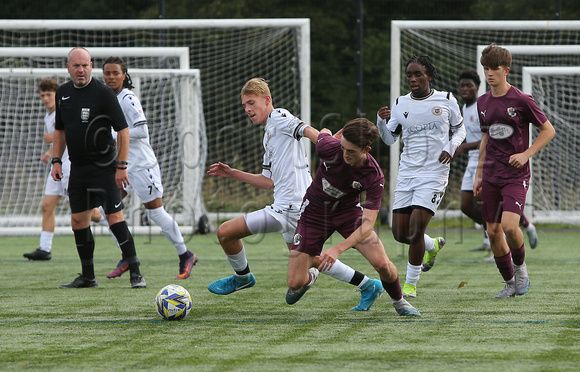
x,y
316,225
502,197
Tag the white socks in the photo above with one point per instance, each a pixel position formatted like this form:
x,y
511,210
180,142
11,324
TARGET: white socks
x,y
238,261
413,274
169,228
429,243
343,273
46,241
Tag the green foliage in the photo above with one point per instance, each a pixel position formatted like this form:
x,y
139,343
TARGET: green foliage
x,y
114,327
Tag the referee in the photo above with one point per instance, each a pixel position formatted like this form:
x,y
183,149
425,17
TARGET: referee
x,y
86,111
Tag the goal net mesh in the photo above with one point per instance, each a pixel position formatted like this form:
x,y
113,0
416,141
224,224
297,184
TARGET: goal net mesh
x,y
452,47
226,55
557,182
173,97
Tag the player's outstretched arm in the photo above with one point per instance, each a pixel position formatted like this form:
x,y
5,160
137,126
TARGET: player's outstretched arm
x,y
224,170
311,133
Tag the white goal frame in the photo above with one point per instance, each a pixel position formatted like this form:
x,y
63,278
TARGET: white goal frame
x,y
180,52
117,24
396,56
191,140
571,217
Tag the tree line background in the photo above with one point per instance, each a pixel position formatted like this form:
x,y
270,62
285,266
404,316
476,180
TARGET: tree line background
x,y
333,33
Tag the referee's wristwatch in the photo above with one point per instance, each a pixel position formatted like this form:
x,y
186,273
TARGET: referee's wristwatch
x,y
55,160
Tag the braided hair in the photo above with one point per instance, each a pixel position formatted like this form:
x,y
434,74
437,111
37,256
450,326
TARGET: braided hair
x,y
127,83
424,61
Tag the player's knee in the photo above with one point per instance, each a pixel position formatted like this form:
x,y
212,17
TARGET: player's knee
x,y
295,283
225,233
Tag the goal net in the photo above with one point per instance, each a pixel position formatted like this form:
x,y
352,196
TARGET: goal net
x,y
227,53
453,47
556,187
172,102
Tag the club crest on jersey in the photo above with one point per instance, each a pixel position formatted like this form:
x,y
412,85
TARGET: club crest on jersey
x,y
511,112
85,114
356,185
500,131
437,111
297,239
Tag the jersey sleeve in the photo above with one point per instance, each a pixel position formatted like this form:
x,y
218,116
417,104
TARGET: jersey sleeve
x,y
58,123
535,115
455,117
374,193
133,110
290,124
325,145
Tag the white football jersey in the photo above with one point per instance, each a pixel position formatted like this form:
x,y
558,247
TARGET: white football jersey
x,y
425,125
141,155
285,160
49,119
471,121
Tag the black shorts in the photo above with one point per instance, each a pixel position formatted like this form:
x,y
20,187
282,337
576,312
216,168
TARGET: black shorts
x,y
91,186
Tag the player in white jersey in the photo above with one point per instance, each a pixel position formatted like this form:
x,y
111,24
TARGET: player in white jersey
x,y
469,82
53,190
285,168
143,169
423,118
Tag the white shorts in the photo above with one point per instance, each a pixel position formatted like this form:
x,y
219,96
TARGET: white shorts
x,y
268,220
146,183
419,192
469,177
59,188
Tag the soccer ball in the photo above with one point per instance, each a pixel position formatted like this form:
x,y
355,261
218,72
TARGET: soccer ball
x,y
173,302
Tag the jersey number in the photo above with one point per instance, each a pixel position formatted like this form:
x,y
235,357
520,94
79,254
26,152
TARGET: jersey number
x,y
437,197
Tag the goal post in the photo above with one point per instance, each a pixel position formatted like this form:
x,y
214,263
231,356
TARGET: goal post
x,y
452,46
556,183
172,102
228,52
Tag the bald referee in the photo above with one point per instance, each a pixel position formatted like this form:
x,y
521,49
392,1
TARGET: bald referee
x,y
86,111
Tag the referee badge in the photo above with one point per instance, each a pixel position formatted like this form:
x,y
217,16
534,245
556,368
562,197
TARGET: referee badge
x,y
85,113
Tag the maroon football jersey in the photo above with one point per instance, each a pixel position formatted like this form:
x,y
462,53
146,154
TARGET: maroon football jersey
x,y
338,184
506,120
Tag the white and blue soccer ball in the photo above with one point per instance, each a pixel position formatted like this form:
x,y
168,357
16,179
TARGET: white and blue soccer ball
x,y
173,302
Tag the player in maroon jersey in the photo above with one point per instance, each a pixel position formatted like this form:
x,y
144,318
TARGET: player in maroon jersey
x,y
503,172
332,203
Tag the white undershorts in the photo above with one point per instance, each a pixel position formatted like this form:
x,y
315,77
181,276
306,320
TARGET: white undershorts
x,y
59,188
469,177
419,192
146,183
269,219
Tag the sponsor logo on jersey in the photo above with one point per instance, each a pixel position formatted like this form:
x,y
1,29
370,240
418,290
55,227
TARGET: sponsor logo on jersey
x,y
422,127
85,114
331,190
519,205
500,131
511,112
405,114
65,98
483,113
437,111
